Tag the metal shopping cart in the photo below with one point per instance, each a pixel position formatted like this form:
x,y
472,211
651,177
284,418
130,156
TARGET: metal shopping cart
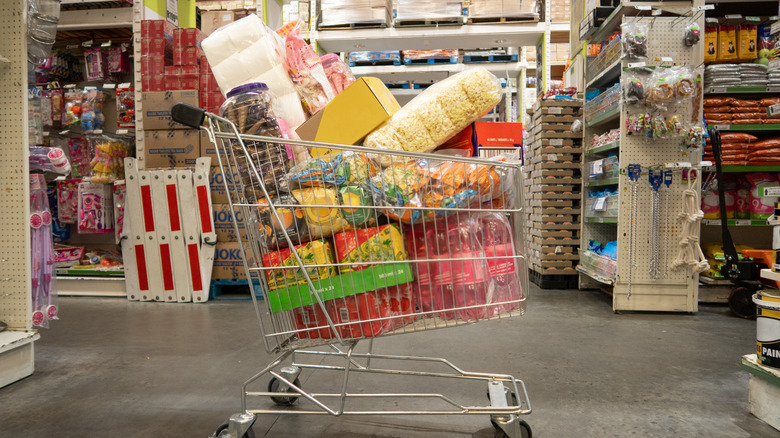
x,y
422,241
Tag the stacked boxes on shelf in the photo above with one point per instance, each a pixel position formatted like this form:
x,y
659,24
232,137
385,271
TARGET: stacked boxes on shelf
x,y
501,10
428,10
174,70
552,188
350,13
560,11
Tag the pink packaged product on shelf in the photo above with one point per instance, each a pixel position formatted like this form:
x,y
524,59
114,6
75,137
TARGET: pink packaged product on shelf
x,y
120,190
96,209
68,200
80,157
307,73
118,60
761,207
338,73
43,280
97,64
742,201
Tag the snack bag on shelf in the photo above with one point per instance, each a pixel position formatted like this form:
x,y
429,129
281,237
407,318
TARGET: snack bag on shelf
x,y
307,73
727,43
761,207
339,74
438,113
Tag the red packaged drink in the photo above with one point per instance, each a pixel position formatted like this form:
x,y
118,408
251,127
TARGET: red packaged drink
x,y
496,239
172,83
311,316
355,312
417,243
188,83
462,282
189,71
185,37
362,247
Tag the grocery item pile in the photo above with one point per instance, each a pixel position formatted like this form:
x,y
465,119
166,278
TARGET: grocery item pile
x,y
391,235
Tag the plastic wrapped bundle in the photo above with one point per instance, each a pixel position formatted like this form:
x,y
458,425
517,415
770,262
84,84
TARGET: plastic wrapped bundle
x,y
339,74
439,113
307,73
247,51
428,9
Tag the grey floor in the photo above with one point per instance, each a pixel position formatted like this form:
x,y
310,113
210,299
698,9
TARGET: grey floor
x,y
113,368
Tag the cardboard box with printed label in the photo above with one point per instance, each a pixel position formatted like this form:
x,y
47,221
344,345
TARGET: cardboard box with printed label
x,y
360,109
217,185
223,223
157,107
228,264
213,20
171,148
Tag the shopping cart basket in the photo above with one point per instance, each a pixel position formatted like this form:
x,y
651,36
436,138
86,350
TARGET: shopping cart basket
x,y
422,241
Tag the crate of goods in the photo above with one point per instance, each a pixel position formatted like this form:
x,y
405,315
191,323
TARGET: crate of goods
x,y
411,57
428,12
553,190
472,57
603,103
387,57
502,10
560,11
355,13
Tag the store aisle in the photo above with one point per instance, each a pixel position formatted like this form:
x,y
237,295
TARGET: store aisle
x,y
128,369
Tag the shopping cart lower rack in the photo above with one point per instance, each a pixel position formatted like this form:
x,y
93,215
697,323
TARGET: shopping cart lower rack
x,y
358,243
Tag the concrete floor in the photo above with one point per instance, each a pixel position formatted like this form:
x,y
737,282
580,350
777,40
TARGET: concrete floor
x,y
126,369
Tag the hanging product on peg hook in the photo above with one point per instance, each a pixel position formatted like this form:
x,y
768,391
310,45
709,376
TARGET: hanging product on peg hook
x,y
655,178
667,194
634,172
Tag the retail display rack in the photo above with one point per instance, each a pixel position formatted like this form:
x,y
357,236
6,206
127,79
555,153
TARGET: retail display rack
x,y
625,216
751,232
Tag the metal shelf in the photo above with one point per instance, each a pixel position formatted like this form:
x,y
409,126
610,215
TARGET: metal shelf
x,y
91,286
593,275
737,222
88,19
609,147
428,72
609,75
744,169
604,182
605,118
742,90
742,128
455,37
601,220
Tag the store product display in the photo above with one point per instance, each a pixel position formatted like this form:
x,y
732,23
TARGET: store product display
x,y
634,36
44,285
690,254
736,111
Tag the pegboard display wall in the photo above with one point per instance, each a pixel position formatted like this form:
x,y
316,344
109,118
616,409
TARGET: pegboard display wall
x,y
15,293
671,288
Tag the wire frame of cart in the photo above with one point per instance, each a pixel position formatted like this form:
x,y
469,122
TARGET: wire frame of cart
x,y
353,245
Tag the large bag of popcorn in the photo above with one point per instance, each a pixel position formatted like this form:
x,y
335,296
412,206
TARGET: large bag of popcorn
x,y
438,113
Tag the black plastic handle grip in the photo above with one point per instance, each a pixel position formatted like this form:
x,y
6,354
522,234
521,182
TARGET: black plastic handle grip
x,y
188,115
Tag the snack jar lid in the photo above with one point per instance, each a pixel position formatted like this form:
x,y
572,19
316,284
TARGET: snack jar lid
x,y
252,86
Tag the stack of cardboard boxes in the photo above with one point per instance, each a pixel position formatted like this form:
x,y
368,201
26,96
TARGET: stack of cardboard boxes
x,y
560,11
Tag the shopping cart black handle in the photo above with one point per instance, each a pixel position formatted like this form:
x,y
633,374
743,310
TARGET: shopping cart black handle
x,y
188,115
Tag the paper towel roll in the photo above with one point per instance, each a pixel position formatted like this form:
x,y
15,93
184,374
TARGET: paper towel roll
x,y
288,106
278,80
231,72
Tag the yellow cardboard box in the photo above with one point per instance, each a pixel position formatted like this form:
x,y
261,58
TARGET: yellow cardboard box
x,y
351,116
171,148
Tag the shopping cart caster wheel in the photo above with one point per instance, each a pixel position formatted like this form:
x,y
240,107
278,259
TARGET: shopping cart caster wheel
x,y
224,428
273,386
741,302
525,429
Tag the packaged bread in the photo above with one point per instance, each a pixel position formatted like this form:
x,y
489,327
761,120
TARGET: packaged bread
x,y
438,113
324,217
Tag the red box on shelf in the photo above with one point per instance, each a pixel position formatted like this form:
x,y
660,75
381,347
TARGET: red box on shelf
x,y
152,65
203,100
498,134
172,83
155,47
213,85
189,71
156,29
186,37
203,83
215,100
186,56
205,68
153,82
172,70
188,83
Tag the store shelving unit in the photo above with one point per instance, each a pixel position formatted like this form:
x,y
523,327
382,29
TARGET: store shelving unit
x,y
677,291
16,343
751,232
